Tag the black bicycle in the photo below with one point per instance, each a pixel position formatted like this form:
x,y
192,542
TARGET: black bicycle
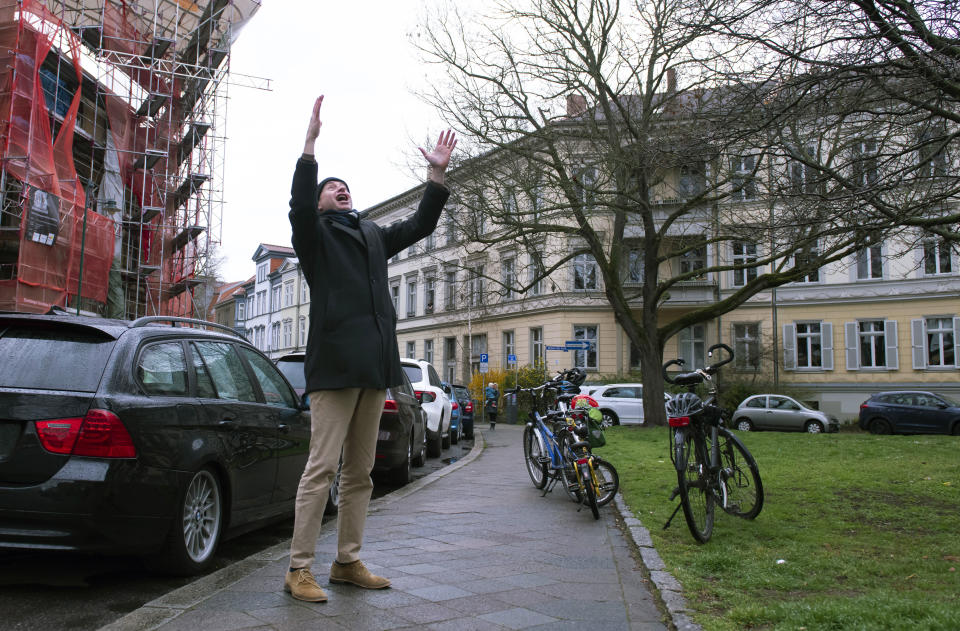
x,y
713,465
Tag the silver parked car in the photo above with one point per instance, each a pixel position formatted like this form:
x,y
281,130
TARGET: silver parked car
x,y
780,412
621,403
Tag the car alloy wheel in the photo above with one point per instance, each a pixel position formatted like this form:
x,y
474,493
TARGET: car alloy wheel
x,y
814,427
197,527
744,425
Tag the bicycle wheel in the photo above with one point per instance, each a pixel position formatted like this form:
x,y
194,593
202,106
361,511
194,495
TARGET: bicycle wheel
x,y
741,476
589,488
693,479
608,479
532,453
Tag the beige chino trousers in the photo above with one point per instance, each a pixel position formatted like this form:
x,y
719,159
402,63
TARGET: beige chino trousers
x,y
347,419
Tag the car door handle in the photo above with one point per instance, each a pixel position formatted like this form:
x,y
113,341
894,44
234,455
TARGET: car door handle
x,y
227,424
284,428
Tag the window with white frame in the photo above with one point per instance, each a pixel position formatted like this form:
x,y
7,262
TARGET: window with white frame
x,y
429,294
744,254
536,275
692,180
803,176
865,169
586,359
450,358
511,207
302,339
241,310
478,346
262,273
508,271
475,286
806,258
746,345
287,333
808,346
871,344
932,153
936,256
412,350
429,242
634,265
428,351
692,346
262,302
288,294
304,291
509,347
275,302
275,336
693,260
934,341
743,183
395,296
450,290
450,228
536,346
584,272
586,183
870,261
411,298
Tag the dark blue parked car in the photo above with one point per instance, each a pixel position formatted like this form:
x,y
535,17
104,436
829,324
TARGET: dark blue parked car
x,y
466,410
910,412
456,414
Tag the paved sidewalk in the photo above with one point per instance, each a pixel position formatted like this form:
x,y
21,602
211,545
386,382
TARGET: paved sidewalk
x,y
473,546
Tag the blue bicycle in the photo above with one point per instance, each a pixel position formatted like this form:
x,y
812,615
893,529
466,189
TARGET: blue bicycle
x,y
556,448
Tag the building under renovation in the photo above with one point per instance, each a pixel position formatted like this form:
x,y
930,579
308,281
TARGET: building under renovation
x,y
111,151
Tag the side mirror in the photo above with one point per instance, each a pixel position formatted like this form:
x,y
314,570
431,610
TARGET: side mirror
x,y
305,401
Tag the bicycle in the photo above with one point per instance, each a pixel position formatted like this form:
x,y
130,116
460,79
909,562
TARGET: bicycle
x,y
562,454
713,465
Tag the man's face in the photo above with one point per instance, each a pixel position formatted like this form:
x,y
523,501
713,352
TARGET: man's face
x,y
335,196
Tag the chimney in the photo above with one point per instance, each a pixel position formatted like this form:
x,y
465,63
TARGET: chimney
x,y
671,80
576,104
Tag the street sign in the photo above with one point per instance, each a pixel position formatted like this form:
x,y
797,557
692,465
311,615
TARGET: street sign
x,y
484,358
578,345
558,348
511,359
484,364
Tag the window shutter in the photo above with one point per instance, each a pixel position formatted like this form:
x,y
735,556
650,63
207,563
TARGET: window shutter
x,y
918,344
956,342
789,347
850,342
826,342
890,338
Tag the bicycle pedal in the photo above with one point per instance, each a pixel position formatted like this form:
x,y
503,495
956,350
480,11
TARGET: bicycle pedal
x,y
543,460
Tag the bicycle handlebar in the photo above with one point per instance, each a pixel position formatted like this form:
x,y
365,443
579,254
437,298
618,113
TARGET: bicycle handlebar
x,y
699,375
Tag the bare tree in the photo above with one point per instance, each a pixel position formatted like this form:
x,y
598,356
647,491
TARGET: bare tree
x,y
629,143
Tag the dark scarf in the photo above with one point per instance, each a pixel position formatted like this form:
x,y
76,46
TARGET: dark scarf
x,y
346,217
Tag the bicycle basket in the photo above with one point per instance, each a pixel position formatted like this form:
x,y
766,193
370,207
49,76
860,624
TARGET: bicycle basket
x,y
595,435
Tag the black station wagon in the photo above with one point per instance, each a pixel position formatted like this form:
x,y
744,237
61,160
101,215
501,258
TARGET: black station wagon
x,y
158,436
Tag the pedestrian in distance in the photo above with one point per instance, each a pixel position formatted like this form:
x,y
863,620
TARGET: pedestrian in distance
x,y
491,395
352,355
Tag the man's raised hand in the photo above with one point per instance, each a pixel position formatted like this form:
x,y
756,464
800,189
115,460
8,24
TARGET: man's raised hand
x,y
439,158
313,129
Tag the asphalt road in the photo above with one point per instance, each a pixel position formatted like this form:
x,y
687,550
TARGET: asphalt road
x,y
55,590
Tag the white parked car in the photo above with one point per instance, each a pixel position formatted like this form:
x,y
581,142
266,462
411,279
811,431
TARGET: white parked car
x,y
621,403
429,390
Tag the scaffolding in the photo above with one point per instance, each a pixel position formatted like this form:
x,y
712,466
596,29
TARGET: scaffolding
x,y
111,174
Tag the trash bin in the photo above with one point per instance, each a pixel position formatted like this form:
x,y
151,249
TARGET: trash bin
x,y
510,408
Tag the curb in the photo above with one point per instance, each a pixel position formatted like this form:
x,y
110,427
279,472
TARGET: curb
x,y
167,607
667,588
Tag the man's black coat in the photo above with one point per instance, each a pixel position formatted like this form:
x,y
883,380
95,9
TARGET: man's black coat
x,y
352,340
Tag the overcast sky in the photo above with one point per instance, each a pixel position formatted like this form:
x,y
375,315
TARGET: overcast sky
x,y
358,55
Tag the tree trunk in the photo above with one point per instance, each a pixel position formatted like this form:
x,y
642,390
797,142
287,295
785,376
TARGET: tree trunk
x,y
651,362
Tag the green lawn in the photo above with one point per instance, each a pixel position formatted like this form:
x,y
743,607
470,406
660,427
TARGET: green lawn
x,y
857,532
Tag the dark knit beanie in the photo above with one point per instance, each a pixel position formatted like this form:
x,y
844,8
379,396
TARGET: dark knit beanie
x,y
323,183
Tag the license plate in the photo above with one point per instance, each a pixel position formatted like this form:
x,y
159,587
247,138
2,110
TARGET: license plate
x,y
9,435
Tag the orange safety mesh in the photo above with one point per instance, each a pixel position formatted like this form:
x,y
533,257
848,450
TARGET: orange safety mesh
x,y
47,273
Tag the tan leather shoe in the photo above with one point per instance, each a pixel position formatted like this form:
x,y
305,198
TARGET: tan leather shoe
x,y
357,574
301,585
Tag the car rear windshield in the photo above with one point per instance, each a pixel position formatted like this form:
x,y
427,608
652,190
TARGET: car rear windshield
x,y
49,359
293,371
462,393
413,373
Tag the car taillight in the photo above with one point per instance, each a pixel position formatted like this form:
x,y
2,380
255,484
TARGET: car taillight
x,y
390,406
678,421
424,396
468,407
99,434
454,406
419,395
863,406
